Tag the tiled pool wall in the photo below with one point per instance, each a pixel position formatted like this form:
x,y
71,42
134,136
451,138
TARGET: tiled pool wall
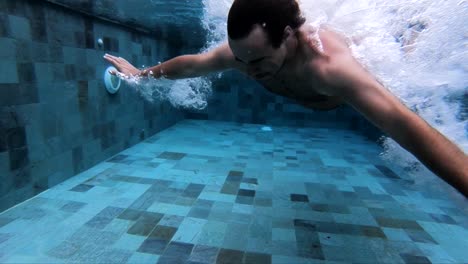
x,y
56,119
156,16
237,98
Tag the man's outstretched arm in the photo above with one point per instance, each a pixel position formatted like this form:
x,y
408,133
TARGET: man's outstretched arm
x,y
185,66
363,92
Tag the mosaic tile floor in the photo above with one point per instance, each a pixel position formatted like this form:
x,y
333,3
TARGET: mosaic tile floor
x,y
212,192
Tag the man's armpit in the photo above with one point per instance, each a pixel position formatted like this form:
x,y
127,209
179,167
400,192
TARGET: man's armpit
x,y
322,102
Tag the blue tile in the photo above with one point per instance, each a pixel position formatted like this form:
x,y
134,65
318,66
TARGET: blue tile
x,y
72,207
204,254
236,236
65,250
257,258
415,259
103,218
248,193
299,198
420,236
129,242
5,237
98,222
172,155
138,257
81,188
284,234
441,218
176,252
153,246
228,256
171,220
396,234
20,27
199,213
163,232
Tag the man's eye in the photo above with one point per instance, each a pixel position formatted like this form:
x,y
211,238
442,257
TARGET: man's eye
x,y
239,60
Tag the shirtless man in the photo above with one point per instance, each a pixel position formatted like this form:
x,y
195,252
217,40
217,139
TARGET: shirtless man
x,y
270,42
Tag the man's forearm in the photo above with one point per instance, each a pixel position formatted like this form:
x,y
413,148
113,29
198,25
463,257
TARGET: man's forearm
x,y
434,150
185,66
176,68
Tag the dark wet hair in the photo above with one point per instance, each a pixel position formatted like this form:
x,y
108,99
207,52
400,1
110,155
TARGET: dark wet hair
x,y
273,15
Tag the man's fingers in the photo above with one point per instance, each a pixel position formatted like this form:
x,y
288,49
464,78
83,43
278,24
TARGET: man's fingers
x,y
117,62
122,60
111,59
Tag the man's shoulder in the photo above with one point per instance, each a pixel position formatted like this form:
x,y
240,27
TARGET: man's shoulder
x,y
333,48
323,65
335,43
223,54
324,40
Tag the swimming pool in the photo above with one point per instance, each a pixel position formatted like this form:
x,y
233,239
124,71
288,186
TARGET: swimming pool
x,y
252,178
220,192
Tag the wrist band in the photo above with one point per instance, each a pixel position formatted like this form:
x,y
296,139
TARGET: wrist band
x,y
144,73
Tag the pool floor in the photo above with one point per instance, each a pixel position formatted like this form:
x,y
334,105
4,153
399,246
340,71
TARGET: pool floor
x,y
216,192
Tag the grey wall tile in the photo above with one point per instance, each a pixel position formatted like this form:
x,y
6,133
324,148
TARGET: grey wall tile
x,y
19,27
26,72
4,25
8,72
19,158
16,137
39,52
7,49
37,23
6,179
3,139
23,51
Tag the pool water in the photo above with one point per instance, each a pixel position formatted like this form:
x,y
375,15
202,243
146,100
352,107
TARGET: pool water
x,y
217,192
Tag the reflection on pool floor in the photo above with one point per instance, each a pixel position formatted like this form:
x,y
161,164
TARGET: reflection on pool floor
x,y
215,192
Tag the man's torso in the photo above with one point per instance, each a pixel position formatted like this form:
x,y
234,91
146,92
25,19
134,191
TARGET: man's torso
x,y
304,78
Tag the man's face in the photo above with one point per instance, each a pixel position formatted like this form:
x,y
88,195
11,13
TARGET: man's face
x,y
255,51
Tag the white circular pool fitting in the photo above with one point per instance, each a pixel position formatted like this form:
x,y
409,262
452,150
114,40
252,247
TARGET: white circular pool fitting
x,y
112,81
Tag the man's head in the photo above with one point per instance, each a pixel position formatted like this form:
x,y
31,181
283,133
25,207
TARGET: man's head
x,y
260,32
272,15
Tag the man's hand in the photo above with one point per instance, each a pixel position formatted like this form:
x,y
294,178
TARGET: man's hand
x,y
122,65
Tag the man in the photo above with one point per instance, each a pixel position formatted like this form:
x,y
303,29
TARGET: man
x,y
269,41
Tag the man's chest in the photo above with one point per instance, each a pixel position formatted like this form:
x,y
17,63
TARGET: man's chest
x,y
299,86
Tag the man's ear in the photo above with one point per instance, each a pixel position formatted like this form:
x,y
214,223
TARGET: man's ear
x,y
288,31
